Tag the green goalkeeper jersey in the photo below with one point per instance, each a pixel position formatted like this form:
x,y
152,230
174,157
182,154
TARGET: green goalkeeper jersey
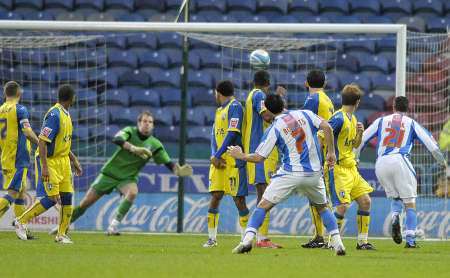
x,y
125,165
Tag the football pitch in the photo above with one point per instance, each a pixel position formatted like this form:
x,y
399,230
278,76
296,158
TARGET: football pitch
x,y
133,255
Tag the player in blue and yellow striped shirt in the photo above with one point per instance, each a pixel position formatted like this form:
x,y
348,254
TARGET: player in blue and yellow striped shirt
x,y
53,166
226,174
15,137
319,103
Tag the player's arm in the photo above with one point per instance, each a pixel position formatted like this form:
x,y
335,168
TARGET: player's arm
x,y
42,145
76,164
425,137
368,134
23,116
121,139
160,156
48,133
328,135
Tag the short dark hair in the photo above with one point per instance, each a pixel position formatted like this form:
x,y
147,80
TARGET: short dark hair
x,y
401,104
65,92
316,79
144,113
225,88
351,94
274,103
261,78
11,88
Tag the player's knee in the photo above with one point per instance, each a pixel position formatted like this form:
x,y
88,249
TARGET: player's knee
x,y
341,209
217,195
409,202
240,202
365,202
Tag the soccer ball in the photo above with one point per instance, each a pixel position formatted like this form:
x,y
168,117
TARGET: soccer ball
x,y
259,59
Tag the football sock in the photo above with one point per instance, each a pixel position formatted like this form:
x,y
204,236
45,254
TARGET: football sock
x,y
36,209
77,212
65,212
329,221
317,221
5,202
243,219
213,222
264,229
339,220
363,221
123,209
19,207
256,220
411,225
396,207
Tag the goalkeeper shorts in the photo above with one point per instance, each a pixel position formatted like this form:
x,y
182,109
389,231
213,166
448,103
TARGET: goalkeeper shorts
x,y
105,184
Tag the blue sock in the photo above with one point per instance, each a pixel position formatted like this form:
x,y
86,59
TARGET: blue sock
x,y
329,220
257,218
396,207
411,224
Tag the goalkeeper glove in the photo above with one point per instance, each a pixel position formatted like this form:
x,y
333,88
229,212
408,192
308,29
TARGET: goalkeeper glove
x,y
142,152
183,171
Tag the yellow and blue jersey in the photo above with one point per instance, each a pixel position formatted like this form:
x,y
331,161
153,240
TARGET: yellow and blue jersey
x,y
253,131
320,104
13,143
228,118
57,131
344,129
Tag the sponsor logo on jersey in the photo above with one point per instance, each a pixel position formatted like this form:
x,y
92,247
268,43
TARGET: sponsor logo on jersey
x,y
46,131
234,122
262,105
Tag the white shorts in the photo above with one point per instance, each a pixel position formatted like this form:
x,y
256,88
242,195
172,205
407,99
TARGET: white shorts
x,y
283,184
397,176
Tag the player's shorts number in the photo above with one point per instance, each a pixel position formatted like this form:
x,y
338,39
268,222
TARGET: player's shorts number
x,y
3,128
233,183
394,138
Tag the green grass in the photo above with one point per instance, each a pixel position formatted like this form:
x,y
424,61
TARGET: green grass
x,y
130,255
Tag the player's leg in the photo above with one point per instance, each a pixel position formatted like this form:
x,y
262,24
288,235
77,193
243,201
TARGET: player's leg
x,y
13,182
239,192
129,192
411,222
339,182
66,203
213,218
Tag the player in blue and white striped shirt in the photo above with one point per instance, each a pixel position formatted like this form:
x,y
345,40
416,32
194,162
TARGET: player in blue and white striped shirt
x,y
396,134
294,133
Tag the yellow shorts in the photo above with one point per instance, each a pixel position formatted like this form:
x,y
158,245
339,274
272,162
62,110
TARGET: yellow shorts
x,y
345,184
262,172
15,179
60,175
231,180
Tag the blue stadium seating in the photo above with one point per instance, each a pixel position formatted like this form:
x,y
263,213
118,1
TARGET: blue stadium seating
x,y
156,58
111,130
279,6
438,24
362,114
380,82
118,58
131,17
431,7
199,134
415,24
117,97
311,6
169,96
167,133
369,62
81,133
361,45
124,116
135,78
73,76
141,96
377,19
175,56
347,62
120,4
92,4
344,19
297,99
170,40
372,101
215,5
399,6
338,6
143,40
248,5
209,112
92,115
161,77
27,95
65,4
200,78
195,116
7,4
33,4
163,117
10,15
202,96
36,75
366,6
37,16
153,4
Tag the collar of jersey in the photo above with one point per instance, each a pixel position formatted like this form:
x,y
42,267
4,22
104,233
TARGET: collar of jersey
x,y
226,103
62,107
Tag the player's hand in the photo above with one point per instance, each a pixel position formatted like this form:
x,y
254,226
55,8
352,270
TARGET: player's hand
x,y
236,152
78,169
45,174
331,160
142,152
281,91
219,163
183,171
360,127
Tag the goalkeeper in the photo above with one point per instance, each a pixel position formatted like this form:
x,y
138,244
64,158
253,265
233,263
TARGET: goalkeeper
x,y
136,147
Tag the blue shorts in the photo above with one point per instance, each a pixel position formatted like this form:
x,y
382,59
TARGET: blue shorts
x,y
15,179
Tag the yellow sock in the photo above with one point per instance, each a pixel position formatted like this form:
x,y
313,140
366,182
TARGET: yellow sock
x,y
4,205
243,220
19,207
317,221
36,209
65,214
363,221
263,231
213,223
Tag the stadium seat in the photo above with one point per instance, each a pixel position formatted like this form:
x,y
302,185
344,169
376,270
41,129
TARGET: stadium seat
x,y
167,133
431,7
64,4
175,56
211,5
45,95
291,80
383,82
110,78
6,4
200,78
131,17
280,6
38,16
32,56
170,40
117,97
360,45
194,116
387,44
169,96
32,4
93,115
340,6
369,62
248,5
152,58
335,98
10,15
415,24
362,114
372,101
163,77
343,19
398,6
197,18
209,112
208,58
40,75
37,112
311,6
92,4
347,62
73,76
135,78
144,40
125,116
111,130
81,132
332,81
366,6
296,100
140,96
27,97
201,96
437,25
163,117
119,4
362,80
239,16
122,59
101,17
199,134
152,4
377,19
